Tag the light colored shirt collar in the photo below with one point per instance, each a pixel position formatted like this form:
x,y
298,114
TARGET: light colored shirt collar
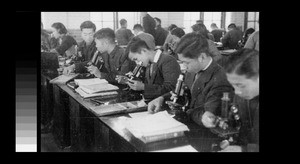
x,y
208,64
157,55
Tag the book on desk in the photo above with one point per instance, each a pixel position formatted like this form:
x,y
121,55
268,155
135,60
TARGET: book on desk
x,y
155,127
64,79
93,87
117,108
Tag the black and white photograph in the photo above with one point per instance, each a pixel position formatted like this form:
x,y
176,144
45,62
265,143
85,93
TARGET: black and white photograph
x,y
149,81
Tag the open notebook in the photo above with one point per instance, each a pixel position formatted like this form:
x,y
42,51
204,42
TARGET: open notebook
x,y
95,87
155,127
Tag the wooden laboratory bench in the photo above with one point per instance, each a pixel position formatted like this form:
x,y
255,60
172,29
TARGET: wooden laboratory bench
x,y
78,125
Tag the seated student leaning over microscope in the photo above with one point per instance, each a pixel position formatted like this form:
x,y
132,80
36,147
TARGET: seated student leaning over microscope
x,y
242,71
86,48
205,78
162,70
115,61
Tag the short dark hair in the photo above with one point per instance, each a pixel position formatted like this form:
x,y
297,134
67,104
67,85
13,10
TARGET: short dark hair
x,y
158,20
178,32
191,45
136,44
243,62
60,28
249,31
171,27
214,25
138,26
199,21
201,28
123,22
105,33
231,25
88,24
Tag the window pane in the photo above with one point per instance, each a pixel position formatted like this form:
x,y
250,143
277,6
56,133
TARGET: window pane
x,y
107,24
250,25
96,16
131,18
195,16
187,16
256,26
216,15
208,15
108,16
257,16
251,16
98,25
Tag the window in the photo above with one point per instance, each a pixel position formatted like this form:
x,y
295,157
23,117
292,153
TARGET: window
x,y
103,19
212,17
131,17
253,20
190,19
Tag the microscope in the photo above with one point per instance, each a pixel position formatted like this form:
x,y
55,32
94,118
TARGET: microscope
x,y
97,60
228,125
76,57
181,99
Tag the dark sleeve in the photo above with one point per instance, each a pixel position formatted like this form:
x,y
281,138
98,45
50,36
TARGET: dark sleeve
x,y
253,146
67,42
53,42
129,35
146,24
225,39
123,67
80,67
170,71
212,100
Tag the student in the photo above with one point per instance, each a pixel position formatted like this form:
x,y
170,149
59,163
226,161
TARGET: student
x,y
246,35
253,41
123,35
176,33
148,23
114,57
216,32
67,42
162,70
232,37
87,48
160,33
205,78
169,38
149,39
201,28
213,50
242,71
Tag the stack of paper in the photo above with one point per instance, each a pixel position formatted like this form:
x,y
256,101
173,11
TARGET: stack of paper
x,y
155,127
95,87
100,94
186,148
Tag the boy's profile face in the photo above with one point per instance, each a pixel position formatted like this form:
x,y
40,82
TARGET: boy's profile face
x,y
101,45
87,34
190,65
140,57
244,87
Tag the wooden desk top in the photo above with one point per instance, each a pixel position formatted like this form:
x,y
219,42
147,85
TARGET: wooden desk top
x,y
198,137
